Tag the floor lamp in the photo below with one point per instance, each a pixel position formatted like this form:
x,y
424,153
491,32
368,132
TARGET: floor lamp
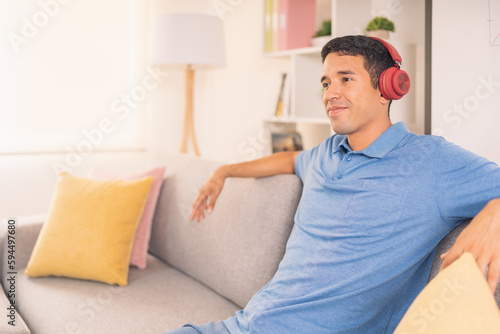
x,y
189,41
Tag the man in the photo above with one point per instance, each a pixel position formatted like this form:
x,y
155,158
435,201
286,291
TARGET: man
x,y
376,201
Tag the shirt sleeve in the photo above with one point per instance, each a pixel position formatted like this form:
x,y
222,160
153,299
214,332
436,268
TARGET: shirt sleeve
x,y
307,157
464,183
302,163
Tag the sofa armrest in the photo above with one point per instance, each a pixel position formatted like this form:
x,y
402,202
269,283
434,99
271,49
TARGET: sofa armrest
x,y
23,235
12,323
444,245
26,233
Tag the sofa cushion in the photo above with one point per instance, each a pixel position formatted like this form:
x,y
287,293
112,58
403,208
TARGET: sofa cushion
x,y
157,299
143,234
458,300
236,249
90,229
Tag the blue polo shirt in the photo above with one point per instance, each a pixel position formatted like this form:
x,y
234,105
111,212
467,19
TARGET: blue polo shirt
x,y
365,232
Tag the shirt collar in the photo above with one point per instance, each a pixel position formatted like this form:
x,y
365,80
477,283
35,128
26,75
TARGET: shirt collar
x,y
341,145
384,144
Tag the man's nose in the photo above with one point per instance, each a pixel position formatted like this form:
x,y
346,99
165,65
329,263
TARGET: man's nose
x,y
331,92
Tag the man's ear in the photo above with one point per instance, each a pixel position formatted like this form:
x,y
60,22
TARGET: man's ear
x,y
383,100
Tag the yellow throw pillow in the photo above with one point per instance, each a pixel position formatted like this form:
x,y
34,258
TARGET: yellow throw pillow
x,y
90,230
458,300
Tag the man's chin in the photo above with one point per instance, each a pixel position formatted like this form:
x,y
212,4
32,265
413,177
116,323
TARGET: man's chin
x,y
340,129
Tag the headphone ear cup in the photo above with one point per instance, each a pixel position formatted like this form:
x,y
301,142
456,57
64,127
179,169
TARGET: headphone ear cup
x,y
401,82
394,83
385,84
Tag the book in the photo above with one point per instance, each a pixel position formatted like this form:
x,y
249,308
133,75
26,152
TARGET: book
x,y
268,29
286,98
296,23
275,25
279,105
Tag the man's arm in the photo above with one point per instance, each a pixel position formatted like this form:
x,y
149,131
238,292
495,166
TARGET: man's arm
x,y
481,238
278,163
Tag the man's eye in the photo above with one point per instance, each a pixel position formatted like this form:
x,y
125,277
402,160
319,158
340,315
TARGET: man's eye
x,y
325,85
346,79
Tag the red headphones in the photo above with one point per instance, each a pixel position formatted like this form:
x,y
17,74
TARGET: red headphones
x,y
394,83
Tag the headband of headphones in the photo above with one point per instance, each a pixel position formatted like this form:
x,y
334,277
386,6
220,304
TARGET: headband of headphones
x,y
392,50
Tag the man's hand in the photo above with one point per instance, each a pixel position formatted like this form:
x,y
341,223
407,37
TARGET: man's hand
x,y
210,190
481,238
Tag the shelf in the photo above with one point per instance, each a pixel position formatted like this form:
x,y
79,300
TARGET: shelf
x,y
313,130
312,50
296,120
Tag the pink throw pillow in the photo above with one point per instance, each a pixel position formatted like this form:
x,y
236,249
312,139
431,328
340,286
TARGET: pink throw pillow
x,y
143,233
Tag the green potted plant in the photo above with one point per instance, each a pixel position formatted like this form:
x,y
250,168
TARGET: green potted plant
x,y
322,35
379,27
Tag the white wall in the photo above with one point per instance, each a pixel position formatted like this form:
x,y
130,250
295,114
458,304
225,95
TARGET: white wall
x,y
466,74
230,104
27,181
60,59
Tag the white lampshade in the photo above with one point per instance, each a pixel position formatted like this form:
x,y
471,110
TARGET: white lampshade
x,y
188,39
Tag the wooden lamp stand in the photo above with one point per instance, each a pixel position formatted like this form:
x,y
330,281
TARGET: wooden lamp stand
x,y
188,132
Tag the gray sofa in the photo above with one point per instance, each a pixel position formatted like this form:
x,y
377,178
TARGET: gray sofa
x,y
197,272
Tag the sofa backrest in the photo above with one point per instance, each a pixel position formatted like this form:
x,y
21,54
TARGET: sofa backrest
x,y
446,244
236,249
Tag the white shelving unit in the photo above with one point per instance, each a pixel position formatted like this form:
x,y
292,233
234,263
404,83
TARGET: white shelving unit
x,y
349,17
306,108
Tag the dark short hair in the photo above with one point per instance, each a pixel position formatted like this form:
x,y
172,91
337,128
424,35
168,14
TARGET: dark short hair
x,y
376,56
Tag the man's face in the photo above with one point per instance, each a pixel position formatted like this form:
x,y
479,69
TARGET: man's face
x,y
351,103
